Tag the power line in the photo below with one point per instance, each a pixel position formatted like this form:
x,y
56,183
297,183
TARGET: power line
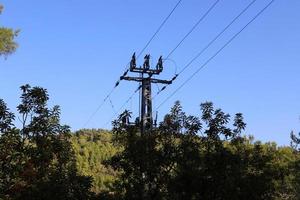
x,y
193,28
207,46
98,108
126,68
159,28
186,36
210,43
112,105
124,104
219,51
156,32
217,36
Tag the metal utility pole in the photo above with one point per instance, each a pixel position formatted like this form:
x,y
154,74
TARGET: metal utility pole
x,y
145,79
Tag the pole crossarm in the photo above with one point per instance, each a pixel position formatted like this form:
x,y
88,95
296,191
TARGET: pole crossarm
x,y
146,71
140,79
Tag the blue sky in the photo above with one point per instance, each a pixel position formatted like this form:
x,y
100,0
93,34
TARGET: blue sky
x,y
78,49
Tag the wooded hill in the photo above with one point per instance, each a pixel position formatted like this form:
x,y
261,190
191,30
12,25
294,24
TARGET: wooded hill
x,y
92,147
95,146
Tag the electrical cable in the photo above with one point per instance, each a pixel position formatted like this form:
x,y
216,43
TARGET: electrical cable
x,y
112,105
210,43
123,105
193,28
188,33
159,28
217,53
98,108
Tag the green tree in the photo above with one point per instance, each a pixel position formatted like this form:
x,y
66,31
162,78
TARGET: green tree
x,y
7,39
295,143
37,160
11,156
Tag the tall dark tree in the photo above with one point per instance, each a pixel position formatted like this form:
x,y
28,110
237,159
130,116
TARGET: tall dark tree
x,y
11,156
37,160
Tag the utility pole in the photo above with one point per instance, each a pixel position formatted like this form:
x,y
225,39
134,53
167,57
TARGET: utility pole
x,y
145,79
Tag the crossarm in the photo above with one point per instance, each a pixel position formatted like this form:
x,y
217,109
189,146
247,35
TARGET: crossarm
x,y
140,79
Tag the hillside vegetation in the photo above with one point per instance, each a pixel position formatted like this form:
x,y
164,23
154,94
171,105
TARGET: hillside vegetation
x,y
92,147
255,165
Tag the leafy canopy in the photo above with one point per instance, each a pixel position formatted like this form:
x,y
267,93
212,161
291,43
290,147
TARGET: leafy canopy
x,y
190,157
7,39
37,160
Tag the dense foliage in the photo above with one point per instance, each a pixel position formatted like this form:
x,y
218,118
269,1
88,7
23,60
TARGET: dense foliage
x,y
92,147
185,157
295,143
37,160
189,157
7,42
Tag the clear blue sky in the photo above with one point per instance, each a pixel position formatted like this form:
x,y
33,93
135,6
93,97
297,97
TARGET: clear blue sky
x,y
78,49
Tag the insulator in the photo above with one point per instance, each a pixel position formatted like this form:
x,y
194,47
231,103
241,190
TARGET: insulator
x,y
138,88
117,83
125,73
146,64
163,88
106,97
133,62
174,77
159,65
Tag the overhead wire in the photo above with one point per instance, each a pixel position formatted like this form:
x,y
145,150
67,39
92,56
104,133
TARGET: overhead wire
x,y
217,53
123,105
159,28
189,32
98,108
112,105
193,28
209,44
181,41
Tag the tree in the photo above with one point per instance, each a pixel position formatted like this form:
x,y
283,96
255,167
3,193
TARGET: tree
x,y
190,157
37,160
295,145
7,39
11,158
